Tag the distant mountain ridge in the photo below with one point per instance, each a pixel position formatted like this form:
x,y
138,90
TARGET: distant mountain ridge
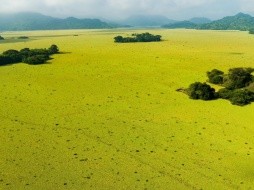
x,y
188,24
147,20
239,21
36,21
181,24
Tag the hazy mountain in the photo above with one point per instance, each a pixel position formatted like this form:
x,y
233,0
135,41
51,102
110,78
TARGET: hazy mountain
x,y
182,24
240,21
147,20
36,21
200,20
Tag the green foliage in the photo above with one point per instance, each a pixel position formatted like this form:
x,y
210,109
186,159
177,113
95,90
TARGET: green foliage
x,y
118,39
144,37
14,55
238,83
23,37
1,38
215,76
147,37
26,55
241,97
201,91
251,31
224,93
238,97
35,59
43,52
238,78
5,60
53,49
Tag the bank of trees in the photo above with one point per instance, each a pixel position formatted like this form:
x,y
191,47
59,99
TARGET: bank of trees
x,y
144,37
251,31
29,56
238,86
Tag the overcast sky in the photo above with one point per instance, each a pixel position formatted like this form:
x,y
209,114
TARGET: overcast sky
x,y
119,9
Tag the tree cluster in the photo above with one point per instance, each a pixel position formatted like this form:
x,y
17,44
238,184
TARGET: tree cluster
x,y
1,38
251,31
144,37
23,37
29,56
201,91
237,86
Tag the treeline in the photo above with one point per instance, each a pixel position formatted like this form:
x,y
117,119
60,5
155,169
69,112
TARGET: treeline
x,y
251,31
29,56
144,37
20,38
238,86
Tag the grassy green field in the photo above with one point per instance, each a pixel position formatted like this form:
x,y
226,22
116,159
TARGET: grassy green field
x,y
107,116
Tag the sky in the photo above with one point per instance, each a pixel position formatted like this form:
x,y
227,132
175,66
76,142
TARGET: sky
x,y
120,9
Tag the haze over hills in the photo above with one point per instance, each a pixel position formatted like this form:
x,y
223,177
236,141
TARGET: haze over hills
x,y
180,24
200,20
240,21
146,20
188,24
36,21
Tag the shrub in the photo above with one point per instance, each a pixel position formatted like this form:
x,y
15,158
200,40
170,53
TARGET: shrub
x,y
251,31
238,78
118,39
5,60
217,79
147,37
44,52
26,55
1,38
241,97
144,37
224,93
35,59
201,91
53,49
23,37
14,55
238,83
215,76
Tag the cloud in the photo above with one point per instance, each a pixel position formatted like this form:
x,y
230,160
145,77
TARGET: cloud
x,y
118,9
